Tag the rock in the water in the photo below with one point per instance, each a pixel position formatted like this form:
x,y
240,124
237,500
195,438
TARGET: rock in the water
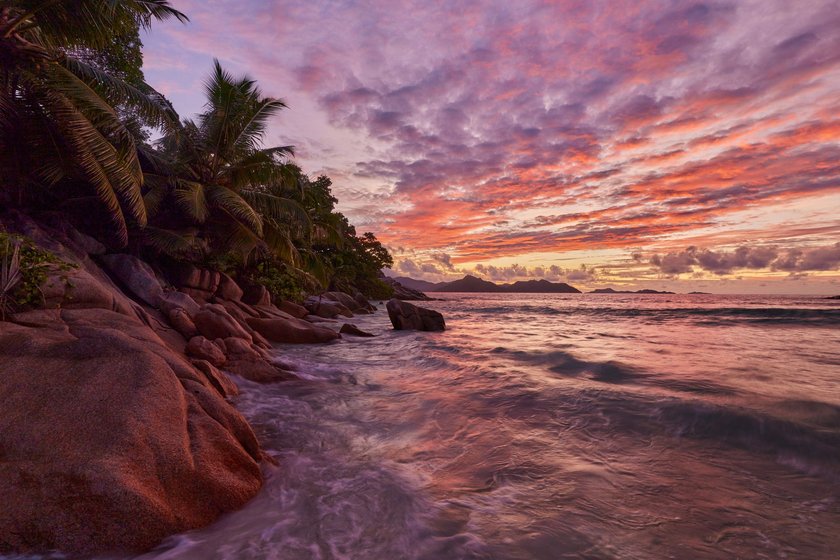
x,y
291,330
351,329
203,349
110,440
405,316
135,275
363,303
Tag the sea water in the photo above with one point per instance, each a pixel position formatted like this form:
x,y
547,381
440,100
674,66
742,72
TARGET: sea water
x,y
552,426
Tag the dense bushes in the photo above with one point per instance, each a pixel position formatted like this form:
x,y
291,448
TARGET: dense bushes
x,y
75,116
23,269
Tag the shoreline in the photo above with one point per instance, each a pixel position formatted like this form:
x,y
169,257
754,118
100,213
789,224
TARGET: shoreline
x,y
137,419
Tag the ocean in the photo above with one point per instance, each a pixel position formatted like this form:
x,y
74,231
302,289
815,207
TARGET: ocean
x,y
552,426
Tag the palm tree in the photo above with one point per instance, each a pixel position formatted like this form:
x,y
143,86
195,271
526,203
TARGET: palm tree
x,y
221,177
58,125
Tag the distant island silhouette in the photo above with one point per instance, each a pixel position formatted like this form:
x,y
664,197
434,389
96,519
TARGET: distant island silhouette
x,y
612,291
471,283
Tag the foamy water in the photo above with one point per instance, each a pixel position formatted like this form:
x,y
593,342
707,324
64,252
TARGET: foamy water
x,y
552,426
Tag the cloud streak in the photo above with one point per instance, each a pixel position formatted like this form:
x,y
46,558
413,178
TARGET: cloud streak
x,y
794,260
540,126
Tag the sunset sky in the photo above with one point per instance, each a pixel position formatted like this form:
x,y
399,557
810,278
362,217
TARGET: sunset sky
x,y
644,144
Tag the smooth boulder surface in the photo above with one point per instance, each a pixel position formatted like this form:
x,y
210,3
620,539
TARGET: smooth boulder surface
x,y
135,275
358,304
203,349
188,276
405,316
181,322
110,440
228,288
327,308
249,362
213,321
291,330
353,330
293,309
174,299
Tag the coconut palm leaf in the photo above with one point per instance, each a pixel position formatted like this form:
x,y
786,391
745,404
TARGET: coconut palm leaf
x,y
234,206
84,22
279,210
169,242
192,198
150,104
156,189
62,110
281,244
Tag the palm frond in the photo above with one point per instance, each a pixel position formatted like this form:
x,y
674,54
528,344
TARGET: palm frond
x,y
86,22
10,276
156,189
150,104
281,244
169,242
279,210
192,197
235,206
251,134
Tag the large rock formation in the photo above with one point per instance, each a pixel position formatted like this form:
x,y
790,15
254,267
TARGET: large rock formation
x,y
111,440
405,316
110,437
291,330
404,292
321,306
353,330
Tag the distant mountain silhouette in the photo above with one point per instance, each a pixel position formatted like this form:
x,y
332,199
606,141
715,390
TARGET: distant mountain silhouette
x,y
421,285
477,285
468,284
540,287
611,291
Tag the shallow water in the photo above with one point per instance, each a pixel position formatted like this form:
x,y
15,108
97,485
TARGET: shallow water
x,y
552,426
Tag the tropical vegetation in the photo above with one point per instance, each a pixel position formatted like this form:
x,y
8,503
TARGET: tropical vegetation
x,y
82,132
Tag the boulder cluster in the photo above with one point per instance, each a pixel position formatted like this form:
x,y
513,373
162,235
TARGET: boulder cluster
x,y
116,424
117,427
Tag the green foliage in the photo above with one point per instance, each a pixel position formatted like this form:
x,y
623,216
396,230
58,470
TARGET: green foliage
x,y
220,179
23,287
59,129
74,115
282,282
375,288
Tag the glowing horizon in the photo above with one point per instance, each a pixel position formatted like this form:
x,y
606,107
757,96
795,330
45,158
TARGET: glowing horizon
x,y
675,145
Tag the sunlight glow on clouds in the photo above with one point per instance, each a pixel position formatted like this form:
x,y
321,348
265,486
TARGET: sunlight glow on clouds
x,y
500,130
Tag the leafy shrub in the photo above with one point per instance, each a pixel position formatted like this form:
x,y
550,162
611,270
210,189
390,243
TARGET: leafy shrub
x,y
283,282
24,267
374,288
